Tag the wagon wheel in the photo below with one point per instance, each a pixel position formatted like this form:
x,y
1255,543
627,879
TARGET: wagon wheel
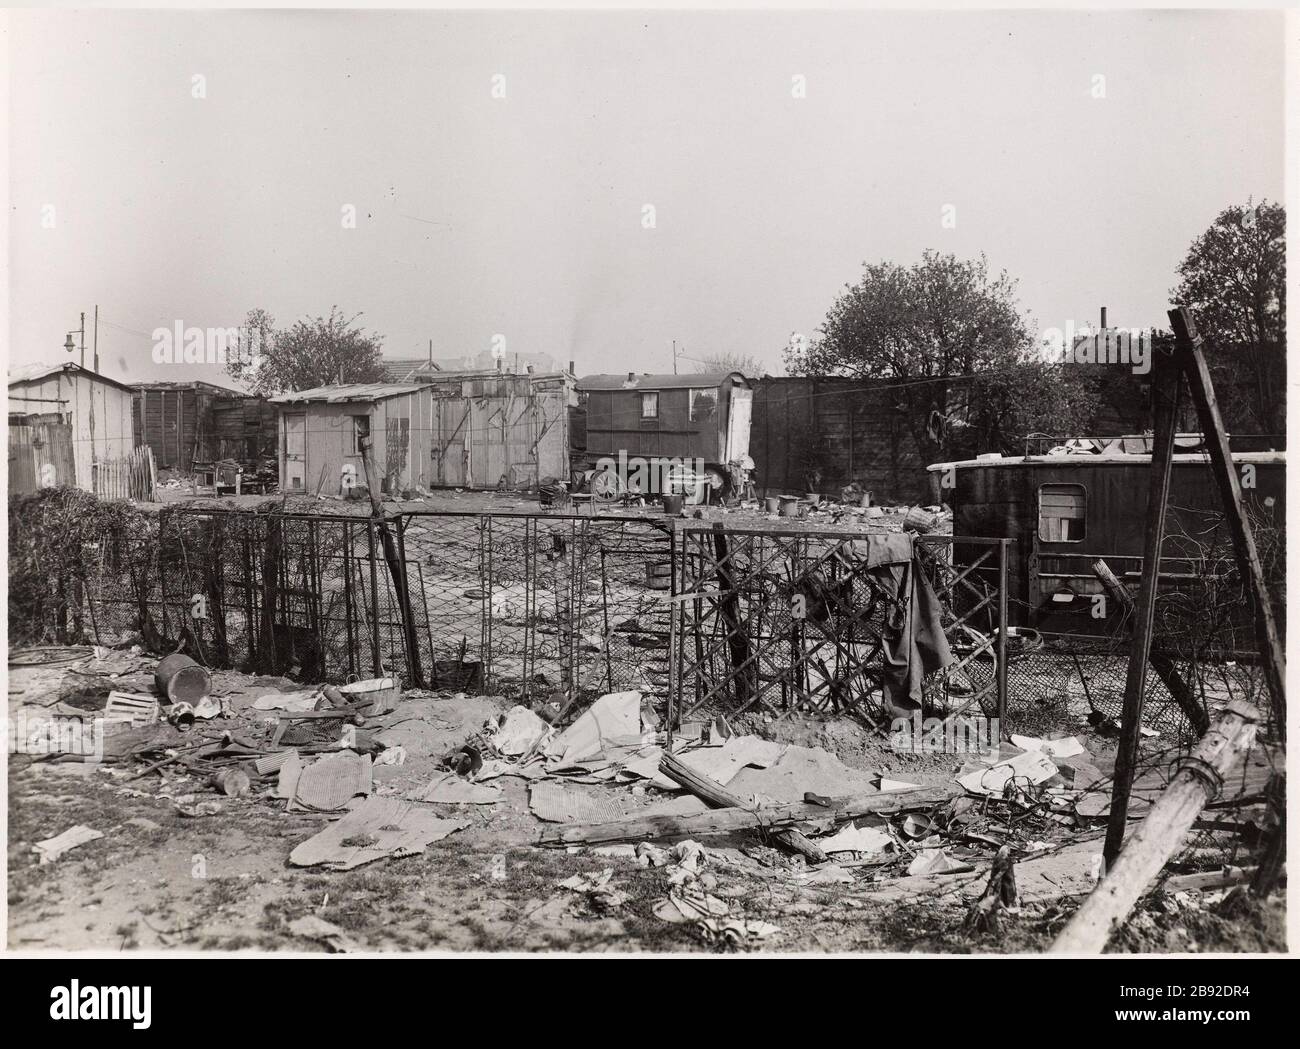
x,y
715,480
974,671
606,486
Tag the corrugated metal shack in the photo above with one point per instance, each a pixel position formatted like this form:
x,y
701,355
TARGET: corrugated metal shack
x,y
1087,499
64,420
821,434
188,423
468,430
494,429
321,429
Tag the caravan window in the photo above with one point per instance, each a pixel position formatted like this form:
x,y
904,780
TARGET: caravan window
x,y
1061,512
704,405
650,406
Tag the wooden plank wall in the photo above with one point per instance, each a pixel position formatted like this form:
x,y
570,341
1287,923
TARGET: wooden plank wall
x,y
183,426
848,428
37,446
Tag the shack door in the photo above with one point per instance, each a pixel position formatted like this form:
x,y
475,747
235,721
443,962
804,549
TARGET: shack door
x,y
738,417
449,466
295,452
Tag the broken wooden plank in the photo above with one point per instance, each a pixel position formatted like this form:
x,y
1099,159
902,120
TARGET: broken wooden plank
x,y
717,795
724,821
1198,780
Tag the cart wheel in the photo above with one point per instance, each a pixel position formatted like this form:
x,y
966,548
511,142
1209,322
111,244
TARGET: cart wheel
x,y
716,482
606,486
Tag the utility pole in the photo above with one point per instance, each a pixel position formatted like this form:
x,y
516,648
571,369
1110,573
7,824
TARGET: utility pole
x,y
96,342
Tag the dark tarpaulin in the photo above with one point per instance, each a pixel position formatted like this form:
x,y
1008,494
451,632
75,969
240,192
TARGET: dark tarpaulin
x,y
914,642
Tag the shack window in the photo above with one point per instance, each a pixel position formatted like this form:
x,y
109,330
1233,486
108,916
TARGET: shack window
x,y
650,406
1061,512
704,405
360,429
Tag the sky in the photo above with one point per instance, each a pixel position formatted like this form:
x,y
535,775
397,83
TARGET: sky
x,y
163,198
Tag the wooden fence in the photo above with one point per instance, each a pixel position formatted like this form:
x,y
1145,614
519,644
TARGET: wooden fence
x,y
40,456
131,477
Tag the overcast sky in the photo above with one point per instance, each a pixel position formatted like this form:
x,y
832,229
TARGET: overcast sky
x,y
524,216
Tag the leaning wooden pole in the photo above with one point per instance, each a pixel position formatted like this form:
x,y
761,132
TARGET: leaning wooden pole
x,y
396,569
1269,638
1166,386
1198,781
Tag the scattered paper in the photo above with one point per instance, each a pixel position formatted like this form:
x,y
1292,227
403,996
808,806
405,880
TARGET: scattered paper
x,y
690,907
936,861
614,718
1055,748
1032,765
448,788
856,839
293,702
51,849
518,731
378,828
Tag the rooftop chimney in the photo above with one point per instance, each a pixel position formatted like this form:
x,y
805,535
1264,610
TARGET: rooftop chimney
x,y
1103,318
631,376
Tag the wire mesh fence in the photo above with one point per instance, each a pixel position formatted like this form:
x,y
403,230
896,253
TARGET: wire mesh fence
x,y
780,622
525,605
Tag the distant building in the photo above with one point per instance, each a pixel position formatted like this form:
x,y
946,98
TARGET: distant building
x,y
64,420
421,369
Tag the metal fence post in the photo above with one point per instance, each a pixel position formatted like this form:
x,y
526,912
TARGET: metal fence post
x,y
1002,632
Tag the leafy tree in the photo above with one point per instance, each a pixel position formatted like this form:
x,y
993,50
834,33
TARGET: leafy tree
x,y
317,351
967,373
1234,281
748,366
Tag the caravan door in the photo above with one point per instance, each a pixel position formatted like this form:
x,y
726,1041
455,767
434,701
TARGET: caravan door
x,y
738,418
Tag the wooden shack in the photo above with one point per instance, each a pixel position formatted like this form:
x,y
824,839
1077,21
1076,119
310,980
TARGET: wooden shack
x,y
1076,503
467,430
189,423
64,422
495,429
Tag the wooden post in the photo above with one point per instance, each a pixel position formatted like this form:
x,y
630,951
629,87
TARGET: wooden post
x,y
1161,663
1192,362
729,609
396,569
1166,387
725,821
718,796
1196,783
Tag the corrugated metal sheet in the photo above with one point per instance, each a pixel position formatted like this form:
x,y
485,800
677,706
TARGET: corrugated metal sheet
x,y
700,380
340,394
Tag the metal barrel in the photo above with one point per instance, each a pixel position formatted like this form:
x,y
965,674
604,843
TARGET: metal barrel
x,y
181,679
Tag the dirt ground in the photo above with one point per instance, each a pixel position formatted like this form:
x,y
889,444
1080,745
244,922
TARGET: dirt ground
x,y
164,876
